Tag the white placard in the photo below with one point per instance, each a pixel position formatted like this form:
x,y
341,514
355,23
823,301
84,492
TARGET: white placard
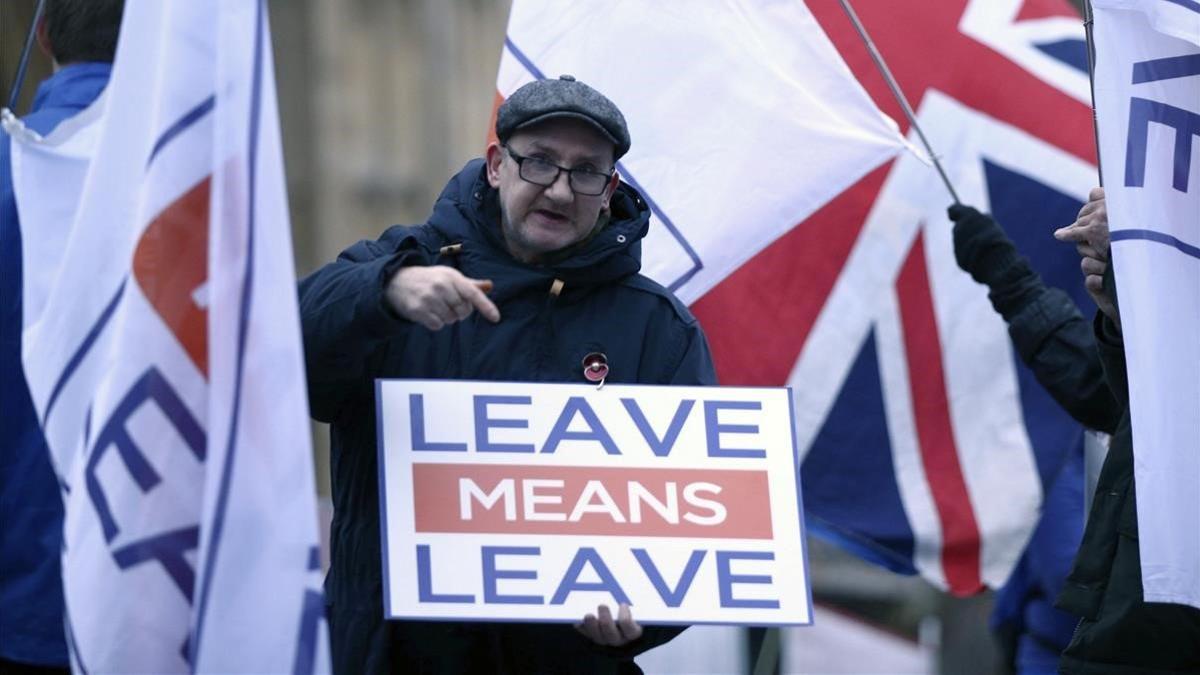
x,y
538,502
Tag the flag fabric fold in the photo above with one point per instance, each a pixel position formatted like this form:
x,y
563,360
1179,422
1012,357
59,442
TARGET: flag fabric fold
x,y
744,119
1148,116
165,360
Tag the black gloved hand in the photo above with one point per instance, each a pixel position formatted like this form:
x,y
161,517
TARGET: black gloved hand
x,y
982,249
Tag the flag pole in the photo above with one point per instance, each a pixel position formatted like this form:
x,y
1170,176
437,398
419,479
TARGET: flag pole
x,y
1091,56
891,82
24,62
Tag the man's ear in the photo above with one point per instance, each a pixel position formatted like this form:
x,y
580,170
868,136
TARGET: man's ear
x,y
612,187
43,38
495,155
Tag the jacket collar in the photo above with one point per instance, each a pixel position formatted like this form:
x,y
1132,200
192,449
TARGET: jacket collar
x,y
75,85
469,211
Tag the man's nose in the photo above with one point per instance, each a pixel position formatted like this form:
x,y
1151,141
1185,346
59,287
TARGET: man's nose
x,y
560,189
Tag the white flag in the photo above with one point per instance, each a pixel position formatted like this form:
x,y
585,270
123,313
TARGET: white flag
x,y
165,363
1148,109
744,118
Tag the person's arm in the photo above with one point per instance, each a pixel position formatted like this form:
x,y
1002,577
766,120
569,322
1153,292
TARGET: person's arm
x,y
695,364
373,292
1049,333
344,317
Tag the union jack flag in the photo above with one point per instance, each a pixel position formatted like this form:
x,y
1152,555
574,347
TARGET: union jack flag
x,y
927,444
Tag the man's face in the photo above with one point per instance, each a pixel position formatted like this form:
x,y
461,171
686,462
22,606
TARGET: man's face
x,y
537,219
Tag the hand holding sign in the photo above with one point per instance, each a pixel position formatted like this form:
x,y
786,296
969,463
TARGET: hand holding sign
x,y
605,631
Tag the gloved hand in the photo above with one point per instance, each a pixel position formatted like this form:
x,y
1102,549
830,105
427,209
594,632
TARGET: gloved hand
x,y
982,249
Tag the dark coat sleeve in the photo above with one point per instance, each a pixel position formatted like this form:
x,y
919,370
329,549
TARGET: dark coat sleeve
x,y
345,319
1059,346
695,364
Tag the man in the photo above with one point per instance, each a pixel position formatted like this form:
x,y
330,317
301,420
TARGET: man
x,y
81,37
1056,342
528,264
1119,632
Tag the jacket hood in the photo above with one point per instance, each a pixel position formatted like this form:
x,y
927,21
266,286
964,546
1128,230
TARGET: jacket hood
x,y
468,211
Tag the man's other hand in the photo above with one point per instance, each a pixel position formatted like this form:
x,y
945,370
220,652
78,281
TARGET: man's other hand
x,y
438,296
1089,233
603,630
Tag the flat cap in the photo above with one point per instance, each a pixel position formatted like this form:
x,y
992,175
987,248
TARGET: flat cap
x,y
565,97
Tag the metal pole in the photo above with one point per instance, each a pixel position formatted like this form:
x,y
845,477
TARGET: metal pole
x,y
24,62
767,662
891,82
1091,54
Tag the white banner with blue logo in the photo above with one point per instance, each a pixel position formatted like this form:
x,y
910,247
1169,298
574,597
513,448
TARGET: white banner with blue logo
x,y
1148,111
166,366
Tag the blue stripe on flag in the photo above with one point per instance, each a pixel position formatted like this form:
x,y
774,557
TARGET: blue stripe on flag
x,y
243,328
81,352
1186,4
189,118
1158,237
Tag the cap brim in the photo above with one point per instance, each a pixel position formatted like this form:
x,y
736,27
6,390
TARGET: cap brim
x,y
571,114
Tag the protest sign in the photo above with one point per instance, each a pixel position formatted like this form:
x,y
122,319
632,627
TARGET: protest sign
x,y
538,502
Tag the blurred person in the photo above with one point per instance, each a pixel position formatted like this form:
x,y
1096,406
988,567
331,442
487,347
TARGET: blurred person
x,y
1055,341
81,38
1119,632
526,269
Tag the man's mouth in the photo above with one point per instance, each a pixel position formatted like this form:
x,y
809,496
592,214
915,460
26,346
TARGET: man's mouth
x,y
552,217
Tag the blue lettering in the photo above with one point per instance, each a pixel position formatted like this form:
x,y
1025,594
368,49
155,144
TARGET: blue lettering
x,y
596,431
672,598
491,575
152,386
660,447
483,424
168,549
416,406
1185,123
1142,112
311,614
726,579
571,583
714,428
425,583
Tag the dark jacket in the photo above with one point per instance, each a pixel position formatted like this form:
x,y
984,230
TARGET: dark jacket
x,y
1055,341
351,338
1057,344
1120,633
31,510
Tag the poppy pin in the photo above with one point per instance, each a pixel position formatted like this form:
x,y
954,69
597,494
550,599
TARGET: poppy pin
x,y
595,367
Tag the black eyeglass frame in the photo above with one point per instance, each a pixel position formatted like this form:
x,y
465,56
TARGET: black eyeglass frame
x,y
571,173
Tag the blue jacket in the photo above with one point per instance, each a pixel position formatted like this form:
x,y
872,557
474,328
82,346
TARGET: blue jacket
x,y
351,338
31,512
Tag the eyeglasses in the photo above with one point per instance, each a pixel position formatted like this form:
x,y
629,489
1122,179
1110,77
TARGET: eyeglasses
x,y
541,172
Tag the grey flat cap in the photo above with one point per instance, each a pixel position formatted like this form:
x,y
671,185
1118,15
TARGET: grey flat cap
x,y
564,97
